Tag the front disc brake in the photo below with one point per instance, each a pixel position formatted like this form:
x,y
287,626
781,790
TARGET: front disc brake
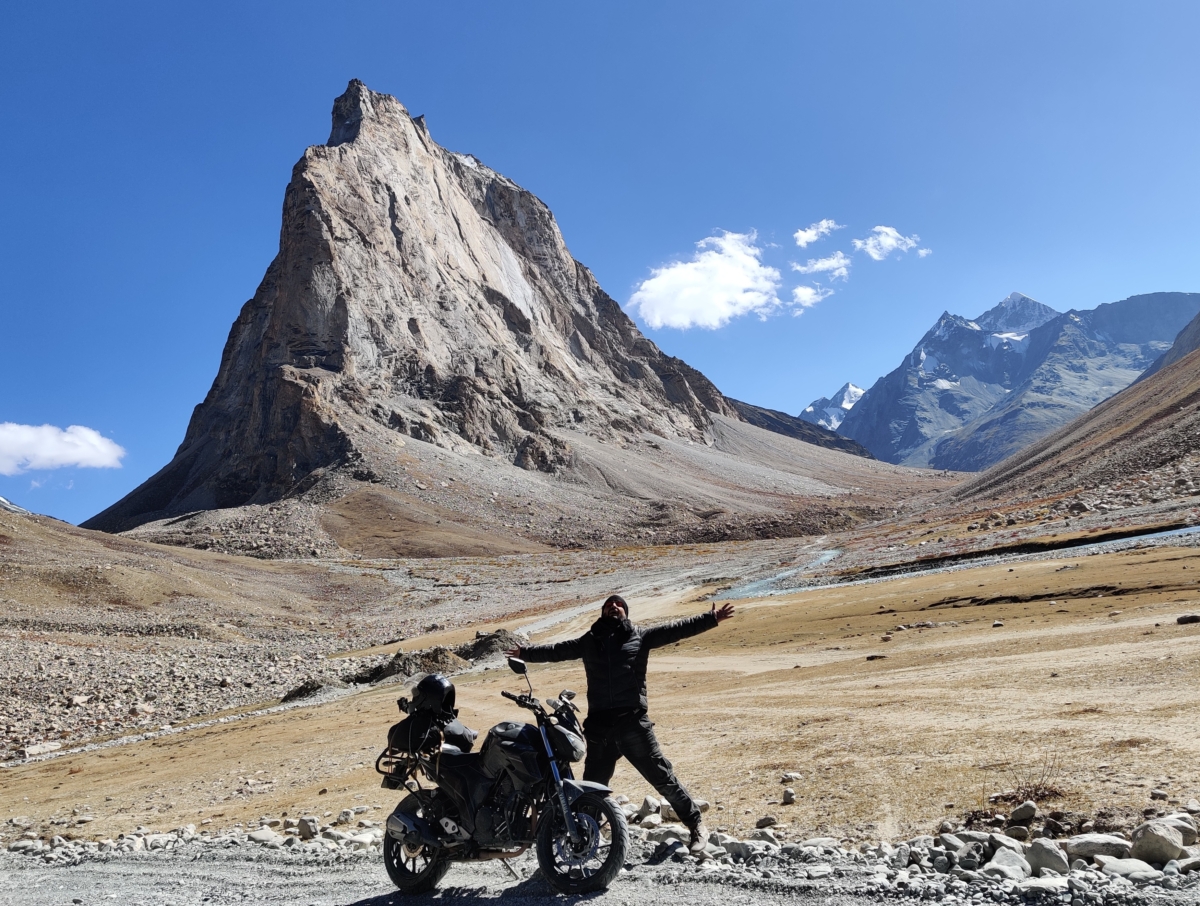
x,y
575,856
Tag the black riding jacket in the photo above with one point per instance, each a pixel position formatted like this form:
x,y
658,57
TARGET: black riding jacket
x,y
615,663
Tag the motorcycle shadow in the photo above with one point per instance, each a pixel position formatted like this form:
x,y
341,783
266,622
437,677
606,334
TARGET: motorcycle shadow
x,y
530,890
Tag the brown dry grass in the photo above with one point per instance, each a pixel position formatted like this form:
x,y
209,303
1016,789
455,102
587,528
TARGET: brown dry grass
x,y
952,714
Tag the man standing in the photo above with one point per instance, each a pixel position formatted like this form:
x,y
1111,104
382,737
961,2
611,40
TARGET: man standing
x,y
614,654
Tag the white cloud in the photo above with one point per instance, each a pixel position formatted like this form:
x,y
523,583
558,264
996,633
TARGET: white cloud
x,y
922,253
724,279
885,240
25,447
808,296
815,231
836,265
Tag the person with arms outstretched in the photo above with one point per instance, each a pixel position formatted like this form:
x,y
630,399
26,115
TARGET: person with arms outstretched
x,y
614,653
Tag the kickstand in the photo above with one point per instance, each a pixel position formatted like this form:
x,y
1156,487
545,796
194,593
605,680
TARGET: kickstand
x,y
516,876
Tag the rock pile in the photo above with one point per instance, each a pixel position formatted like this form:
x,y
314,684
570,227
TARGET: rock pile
x,y
308,836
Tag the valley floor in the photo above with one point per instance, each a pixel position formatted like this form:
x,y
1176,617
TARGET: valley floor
x,y
1089,680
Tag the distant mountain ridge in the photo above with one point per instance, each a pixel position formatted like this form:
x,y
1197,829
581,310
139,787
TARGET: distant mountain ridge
x,y
973,392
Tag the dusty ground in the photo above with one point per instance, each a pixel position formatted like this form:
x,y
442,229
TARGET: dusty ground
x,y
1090,673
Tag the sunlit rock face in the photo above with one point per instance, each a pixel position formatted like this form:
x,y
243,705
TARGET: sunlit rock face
x,y
417,291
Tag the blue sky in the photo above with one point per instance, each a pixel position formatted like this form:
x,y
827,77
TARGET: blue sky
x,y
1046,148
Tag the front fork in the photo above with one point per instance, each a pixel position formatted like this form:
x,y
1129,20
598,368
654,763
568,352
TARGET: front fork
x,y
568,815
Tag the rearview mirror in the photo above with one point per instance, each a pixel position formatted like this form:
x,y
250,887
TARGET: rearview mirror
x,y
567,694
516,665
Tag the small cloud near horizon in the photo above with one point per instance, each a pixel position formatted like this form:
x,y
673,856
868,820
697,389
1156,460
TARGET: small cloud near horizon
x,y
723,280
819,230
38,447
885,240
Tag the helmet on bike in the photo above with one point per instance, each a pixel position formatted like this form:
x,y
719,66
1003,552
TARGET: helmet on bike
x,y
434,693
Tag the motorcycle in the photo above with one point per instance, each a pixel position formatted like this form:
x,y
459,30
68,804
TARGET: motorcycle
x,y
517,791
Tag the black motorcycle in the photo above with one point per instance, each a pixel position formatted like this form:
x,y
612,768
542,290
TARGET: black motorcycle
x,y
517,791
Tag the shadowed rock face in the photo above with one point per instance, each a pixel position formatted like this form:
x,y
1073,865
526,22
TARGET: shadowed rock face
x,y
418,290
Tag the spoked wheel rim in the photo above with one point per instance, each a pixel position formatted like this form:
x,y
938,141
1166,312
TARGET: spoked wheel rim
x,y
415,859
582,860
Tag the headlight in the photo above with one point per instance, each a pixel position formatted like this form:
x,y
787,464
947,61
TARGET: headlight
x,y
567,744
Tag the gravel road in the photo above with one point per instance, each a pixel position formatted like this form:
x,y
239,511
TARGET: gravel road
x,y
159,881
263,877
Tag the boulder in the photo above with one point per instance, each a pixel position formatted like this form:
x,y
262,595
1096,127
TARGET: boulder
x,y
1125,867
821,842
650,805
969,856
1007,864
1157,841
1088,846
309,827
1044,885
1044,853
265,835
665,832
1003,841
1185,824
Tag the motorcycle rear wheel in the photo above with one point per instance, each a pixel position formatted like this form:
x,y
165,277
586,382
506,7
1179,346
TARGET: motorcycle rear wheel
x,y
594,862
413,869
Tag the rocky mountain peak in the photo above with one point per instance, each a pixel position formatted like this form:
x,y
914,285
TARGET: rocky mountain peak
x,y
1016,313
830,412
416,293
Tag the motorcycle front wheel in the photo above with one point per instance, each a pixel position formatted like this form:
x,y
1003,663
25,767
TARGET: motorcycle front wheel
x,y
413,868
592,862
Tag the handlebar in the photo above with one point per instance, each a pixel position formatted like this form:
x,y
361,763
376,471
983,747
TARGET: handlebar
x,y
523,700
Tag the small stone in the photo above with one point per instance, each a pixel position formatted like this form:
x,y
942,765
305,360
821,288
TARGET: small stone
x,y
1024,813
1158,795
1017,832
654,819
997,624
345,816
1188,618
766,821
789,796
764,835
1193,807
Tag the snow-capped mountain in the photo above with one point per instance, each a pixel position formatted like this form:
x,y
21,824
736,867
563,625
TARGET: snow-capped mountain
x,y
830,412
975,391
